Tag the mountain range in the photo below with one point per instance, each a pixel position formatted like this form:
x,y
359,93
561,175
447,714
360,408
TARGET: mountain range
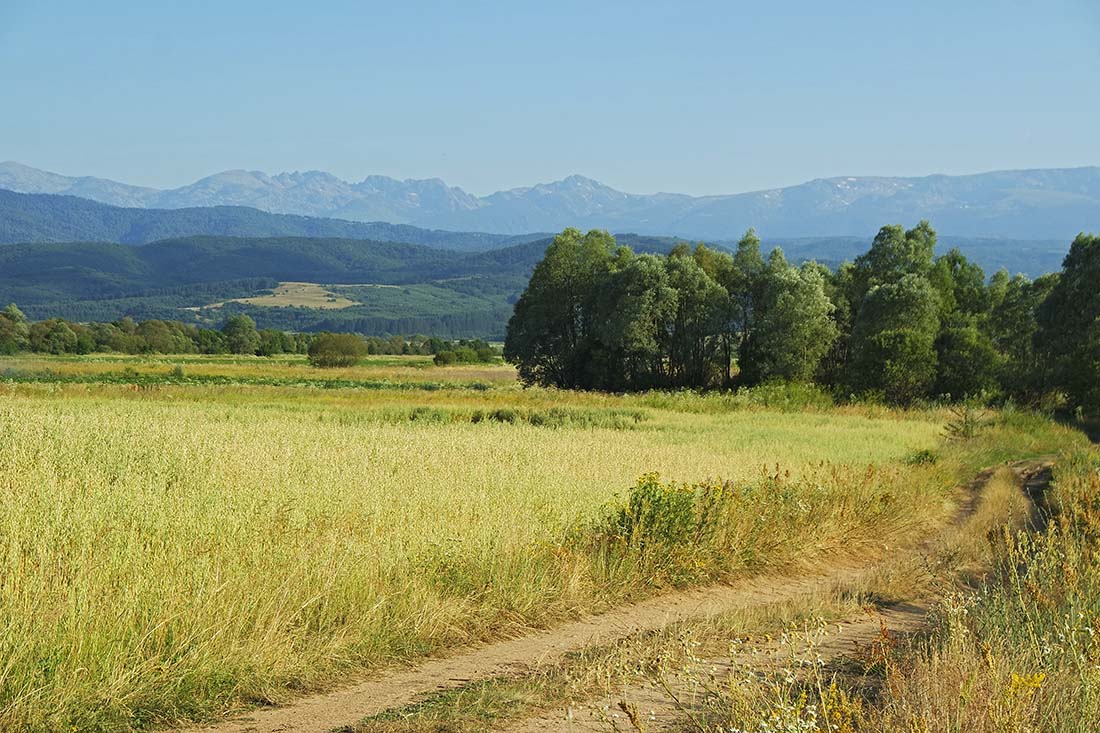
x,y
1026,204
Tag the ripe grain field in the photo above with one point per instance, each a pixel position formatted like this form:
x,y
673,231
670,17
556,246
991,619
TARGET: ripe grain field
x,y
170,550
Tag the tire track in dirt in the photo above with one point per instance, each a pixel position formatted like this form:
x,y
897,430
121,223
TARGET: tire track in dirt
x,y
654,707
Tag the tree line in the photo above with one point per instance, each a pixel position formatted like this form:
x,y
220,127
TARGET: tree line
x,y
238,335
898,324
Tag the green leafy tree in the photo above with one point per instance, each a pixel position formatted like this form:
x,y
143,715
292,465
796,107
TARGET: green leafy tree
x,y
961,285
274,342
85,338
896,315
721,267
165,337
968,363
1068,338
895,253
550,334
241,335
209,341
794,324
841,289
693,343
638,306
1012,326
14,330
744,285
893,340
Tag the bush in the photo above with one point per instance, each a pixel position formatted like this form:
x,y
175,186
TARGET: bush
x,y
445,358
786,396
336,350
475,351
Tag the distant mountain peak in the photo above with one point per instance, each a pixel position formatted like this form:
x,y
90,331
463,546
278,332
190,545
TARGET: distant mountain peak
x,y
578,180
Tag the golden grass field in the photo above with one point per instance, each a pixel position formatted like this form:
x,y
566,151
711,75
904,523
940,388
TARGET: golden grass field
x,y
294,294
171,550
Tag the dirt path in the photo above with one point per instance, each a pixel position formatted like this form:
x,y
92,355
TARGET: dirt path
x,y
349,705
651,704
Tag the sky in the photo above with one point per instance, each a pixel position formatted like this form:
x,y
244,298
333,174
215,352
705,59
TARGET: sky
x,y
691,97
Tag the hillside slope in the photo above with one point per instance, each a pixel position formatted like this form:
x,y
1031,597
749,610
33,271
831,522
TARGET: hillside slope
x,y
26,218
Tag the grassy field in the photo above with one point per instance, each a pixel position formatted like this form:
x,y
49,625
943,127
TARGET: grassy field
x,y
168,549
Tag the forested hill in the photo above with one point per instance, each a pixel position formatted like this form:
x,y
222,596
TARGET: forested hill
x,y
395,287
80,270
27,218
76,270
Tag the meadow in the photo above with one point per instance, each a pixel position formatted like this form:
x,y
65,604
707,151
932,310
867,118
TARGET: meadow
x,y
170,549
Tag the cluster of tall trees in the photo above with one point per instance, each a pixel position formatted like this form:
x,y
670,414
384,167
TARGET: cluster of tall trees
x,y
898,324
238,335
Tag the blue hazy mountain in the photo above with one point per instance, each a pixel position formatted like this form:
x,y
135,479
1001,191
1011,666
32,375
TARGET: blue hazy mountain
x,y
1028,204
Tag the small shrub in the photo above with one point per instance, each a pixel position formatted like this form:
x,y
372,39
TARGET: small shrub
x,y
674,532
923,457
965,422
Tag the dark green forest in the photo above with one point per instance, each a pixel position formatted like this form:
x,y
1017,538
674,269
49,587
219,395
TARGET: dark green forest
x,y
898,324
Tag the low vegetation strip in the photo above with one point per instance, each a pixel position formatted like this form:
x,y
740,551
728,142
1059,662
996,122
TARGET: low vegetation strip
x,y
293,294
178,376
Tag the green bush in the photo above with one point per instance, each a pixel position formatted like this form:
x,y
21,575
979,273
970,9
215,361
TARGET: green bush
x,y
336,350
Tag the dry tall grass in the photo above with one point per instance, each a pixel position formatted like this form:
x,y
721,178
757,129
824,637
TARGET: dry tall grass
x,y
167,553
1023,653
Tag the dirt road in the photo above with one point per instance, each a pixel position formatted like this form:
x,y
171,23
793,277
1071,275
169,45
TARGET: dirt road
x,y
370,696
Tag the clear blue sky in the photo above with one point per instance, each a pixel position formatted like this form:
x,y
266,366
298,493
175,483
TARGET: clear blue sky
x,y
698,97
